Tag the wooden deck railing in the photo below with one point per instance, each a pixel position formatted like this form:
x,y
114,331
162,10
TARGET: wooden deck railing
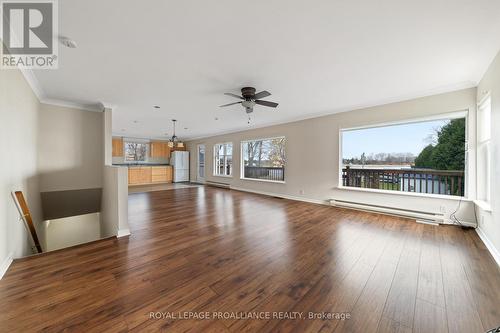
x,y
448,182
267,173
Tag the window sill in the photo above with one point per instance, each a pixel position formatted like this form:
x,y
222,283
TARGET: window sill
x,y
484,205
410,194
223,176
264,180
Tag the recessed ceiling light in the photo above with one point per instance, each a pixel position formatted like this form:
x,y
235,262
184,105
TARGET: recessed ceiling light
x,y
185,128
136,121
216,118
68,42
156,106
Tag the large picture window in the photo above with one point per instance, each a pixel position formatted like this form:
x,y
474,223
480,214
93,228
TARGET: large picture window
x,y
263,159
420,157
223,159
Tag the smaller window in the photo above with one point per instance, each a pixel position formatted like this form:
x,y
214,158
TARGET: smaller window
x,y
223,159
263,159
136,151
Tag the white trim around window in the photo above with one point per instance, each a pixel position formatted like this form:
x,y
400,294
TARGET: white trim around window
x,y
483,151
441,116
272,176
223,159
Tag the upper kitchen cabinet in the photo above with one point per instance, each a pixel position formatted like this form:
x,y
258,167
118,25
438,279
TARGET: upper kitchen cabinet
x,y
117,147
160,149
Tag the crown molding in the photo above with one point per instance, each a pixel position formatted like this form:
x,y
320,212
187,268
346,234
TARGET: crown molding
x,y
30,77
33,82
106,105
72,105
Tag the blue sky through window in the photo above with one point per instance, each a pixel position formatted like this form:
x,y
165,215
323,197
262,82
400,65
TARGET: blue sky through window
x,y
401,138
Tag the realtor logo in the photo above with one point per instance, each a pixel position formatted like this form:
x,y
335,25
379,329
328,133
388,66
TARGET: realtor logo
x,y
28,32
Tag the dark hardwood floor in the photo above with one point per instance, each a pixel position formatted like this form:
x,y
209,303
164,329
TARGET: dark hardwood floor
x,y
224,252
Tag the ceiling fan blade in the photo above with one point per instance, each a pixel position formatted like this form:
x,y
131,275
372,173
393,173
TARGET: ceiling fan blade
x,y
266,103
262,94
229,94
230,104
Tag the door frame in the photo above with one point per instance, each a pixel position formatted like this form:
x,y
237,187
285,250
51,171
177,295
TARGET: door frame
x,y
198,177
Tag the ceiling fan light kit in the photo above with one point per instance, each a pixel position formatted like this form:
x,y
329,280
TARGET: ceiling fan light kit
x,y
249,99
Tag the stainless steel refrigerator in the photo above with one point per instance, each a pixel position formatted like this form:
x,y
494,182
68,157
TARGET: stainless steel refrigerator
x,y
180,163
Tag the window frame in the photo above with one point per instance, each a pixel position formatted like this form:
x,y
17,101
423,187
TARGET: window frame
x,y
242,162
464,113
484,202
216,156
137,141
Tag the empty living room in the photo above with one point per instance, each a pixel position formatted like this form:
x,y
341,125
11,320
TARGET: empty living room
x,y
266,166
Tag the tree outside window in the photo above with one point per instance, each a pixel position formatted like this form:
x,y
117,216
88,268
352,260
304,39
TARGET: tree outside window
x,y
264,159
135,151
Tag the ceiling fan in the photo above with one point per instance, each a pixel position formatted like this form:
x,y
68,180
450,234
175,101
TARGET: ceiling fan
x,y
250,98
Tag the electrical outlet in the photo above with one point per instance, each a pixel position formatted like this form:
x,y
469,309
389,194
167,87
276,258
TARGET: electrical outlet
x,y
481,221
442,209
301,191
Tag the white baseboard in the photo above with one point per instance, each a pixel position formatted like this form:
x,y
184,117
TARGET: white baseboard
x,y
5,265
123,233
464,223
284,196
489,245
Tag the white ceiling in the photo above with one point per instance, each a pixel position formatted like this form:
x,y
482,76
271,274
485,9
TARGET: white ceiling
x,y
315,57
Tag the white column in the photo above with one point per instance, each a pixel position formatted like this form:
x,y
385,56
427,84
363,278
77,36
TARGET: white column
x,y
108,134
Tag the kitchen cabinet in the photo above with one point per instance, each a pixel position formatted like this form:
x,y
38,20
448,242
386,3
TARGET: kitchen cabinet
x,y
144,175
161,174
139,175
160,149
117,145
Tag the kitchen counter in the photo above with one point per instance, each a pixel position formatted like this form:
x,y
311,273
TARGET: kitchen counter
x,y
140,164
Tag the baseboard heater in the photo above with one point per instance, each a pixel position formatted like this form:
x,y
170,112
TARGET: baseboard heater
x,y
217,184
424,217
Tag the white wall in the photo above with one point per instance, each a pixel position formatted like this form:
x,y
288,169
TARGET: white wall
x,y
70,148
18,161
114,203
489,221
71,231
114,207
45,148
312,153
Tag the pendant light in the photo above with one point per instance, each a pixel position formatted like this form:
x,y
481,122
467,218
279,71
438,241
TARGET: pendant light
x,y
174,140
